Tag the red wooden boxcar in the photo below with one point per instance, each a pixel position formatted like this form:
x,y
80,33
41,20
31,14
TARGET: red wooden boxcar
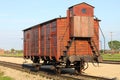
x,y
66,40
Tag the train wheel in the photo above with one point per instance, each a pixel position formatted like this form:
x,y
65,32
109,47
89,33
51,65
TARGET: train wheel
x,y
36,59
77,70
77,67
45,62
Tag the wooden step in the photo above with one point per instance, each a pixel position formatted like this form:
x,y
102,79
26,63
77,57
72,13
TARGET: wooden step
x,y
67,47
92,46
69,41
64,51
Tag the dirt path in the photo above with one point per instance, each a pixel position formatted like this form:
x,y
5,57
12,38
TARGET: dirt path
x,y
104,70
14,60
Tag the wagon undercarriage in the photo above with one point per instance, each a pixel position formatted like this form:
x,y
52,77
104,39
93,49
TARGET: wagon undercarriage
x,y
79,63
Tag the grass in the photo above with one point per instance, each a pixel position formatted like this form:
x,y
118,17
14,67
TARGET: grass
x,y
114,57
2,77
12,55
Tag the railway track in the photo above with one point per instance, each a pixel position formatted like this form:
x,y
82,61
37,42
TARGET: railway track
x,y
49,73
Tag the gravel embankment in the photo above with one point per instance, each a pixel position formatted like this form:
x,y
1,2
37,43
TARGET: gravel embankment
x,y
18,75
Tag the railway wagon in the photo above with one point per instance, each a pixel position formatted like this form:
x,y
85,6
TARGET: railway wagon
x,y
65,42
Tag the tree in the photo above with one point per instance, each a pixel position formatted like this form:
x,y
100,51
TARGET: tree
x,y
114,45
12,50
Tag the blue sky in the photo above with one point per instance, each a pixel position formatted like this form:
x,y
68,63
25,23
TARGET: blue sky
x,y
16,15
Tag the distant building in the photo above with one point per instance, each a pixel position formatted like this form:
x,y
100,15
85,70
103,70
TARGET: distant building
x,y
1,51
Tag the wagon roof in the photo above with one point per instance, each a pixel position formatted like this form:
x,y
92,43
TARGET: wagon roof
x,y
82,3
44,23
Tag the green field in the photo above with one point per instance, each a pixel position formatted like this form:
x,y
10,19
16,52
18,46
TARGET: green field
x,y
12,55
114,57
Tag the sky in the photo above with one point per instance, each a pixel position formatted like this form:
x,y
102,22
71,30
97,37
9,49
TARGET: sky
x,y
16,15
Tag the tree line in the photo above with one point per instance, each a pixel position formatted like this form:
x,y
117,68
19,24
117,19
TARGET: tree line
x,y
114,45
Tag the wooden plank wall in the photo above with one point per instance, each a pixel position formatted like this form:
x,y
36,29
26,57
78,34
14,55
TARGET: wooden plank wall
x,y
82,26
62,30
53,35
82,48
